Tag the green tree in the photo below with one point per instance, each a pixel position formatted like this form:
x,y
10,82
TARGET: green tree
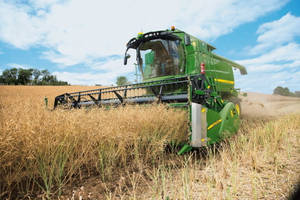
x,y
10,76
1,80
36,75
46,77
24,76
16,76
122,80
52,80
282,91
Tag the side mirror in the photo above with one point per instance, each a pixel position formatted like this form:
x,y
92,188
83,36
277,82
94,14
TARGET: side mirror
x,y
187,39
126,58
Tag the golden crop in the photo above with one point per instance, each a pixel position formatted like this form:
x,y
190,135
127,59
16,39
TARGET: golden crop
x,y
43,150
120,153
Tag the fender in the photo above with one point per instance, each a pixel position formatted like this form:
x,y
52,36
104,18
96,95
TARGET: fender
x,y
230,120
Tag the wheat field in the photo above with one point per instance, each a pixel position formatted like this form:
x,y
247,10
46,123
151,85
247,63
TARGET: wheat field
x,y
120,153
43,150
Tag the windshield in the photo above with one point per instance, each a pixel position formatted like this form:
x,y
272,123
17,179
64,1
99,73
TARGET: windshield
x,y
160,58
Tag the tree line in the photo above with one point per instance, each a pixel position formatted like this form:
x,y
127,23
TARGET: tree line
x,y
284,91
20,76
122,80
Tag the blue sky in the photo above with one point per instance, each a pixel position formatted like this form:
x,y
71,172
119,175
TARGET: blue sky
x,y
83,42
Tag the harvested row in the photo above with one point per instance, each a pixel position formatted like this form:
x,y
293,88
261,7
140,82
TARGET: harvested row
x,y
261,162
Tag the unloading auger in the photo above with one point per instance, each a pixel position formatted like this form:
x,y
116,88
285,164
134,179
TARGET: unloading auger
x,y
181,71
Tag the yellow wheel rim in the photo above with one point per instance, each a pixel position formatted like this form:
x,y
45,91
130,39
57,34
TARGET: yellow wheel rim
x,y
237,107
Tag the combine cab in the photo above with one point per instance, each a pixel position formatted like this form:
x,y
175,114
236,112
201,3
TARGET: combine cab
x,y
181,71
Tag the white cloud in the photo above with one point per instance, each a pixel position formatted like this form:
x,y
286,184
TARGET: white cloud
x,y
15,65
265,82
81,31
42,4
113,66
64,60
84,78
210,19
17,27
277,33
282,57
85,31
279,65
106,74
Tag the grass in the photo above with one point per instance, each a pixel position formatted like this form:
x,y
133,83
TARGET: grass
x,y
120,153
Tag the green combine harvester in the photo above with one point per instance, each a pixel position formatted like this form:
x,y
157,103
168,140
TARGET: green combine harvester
x,y
183,72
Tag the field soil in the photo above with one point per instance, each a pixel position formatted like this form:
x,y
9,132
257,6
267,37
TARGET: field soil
x,y
265,105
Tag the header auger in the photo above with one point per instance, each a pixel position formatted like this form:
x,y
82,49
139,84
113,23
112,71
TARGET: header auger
x,y
181,71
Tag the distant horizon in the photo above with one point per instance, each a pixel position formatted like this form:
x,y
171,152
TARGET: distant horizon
x,y
116,85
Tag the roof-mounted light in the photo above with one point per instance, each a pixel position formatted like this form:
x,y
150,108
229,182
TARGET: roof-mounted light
x,y
140,34
173,28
